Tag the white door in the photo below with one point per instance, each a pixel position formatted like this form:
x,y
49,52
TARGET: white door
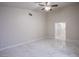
x,y
60,31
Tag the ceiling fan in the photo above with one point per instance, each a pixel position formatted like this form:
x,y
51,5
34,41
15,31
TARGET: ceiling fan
x,y
46,6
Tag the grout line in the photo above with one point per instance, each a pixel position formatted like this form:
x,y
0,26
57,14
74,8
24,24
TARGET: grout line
x,y
12,46
16,45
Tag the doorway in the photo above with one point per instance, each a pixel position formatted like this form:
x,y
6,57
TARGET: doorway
x,y
60,31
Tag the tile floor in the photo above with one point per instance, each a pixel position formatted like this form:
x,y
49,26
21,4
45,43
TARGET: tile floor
x,y
44,48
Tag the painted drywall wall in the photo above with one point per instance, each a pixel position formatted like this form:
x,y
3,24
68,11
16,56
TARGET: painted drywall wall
x,y
69,15
16,26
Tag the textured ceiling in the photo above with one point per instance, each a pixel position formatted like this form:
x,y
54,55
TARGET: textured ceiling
x,y
32,5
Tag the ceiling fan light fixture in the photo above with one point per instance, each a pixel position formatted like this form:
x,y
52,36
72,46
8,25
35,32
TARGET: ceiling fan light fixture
x,y
47,8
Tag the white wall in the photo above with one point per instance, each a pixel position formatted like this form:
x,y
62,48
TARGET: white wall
x,y
69,15
16,26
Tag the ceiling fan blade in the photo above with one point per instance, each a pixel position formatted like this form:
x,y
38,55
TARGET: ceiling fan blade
x,y
42,8
38,2
54,5
41,4
46,3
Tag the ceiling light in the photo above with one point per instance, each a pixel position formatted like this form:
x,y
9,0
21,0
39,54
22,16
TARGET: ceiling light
x,y
47,8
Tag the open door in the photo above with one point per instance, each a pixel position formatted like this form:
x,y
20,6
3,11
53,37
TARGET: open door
x,y
60,31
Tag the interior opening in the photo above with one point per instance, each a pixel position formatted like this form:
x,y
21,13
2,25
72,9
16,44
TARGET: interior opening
x,y
60,30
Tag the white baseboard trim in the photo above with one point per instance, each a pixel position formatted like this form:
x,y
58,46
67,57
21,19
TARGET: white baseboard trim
x,y
67,39
18,44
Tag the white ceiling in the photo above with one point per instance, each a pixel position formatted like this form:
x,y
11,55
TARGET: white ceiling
x,y
32,5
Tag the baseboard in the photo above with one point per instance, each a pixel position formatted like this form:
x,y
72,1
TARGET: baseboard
x,y
67,39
